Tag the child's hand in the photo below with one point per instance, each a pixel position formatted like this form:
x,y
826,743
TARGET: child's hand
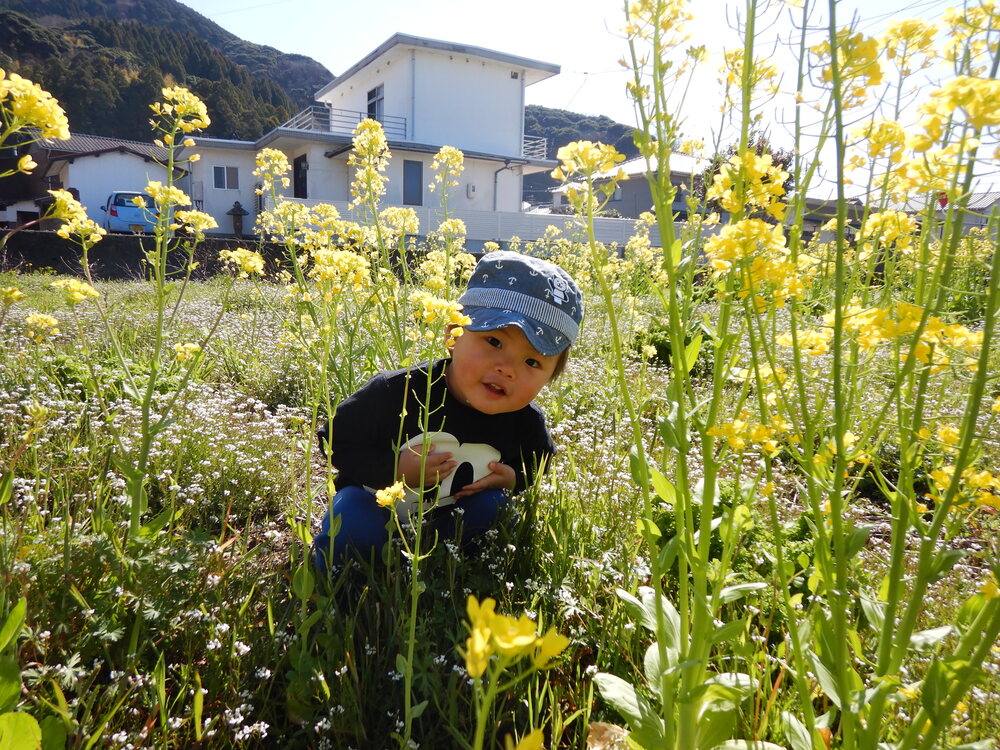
x,y
437,466
501,478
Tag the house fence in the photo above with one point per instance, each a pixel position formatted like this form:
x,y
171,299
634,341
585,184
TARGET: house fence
x,y
484,226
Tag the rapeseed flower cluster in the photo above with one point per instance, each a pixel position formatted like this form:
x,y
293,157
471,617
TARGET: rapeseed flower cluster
x,y
368,159
872,327
335,270
447,166
754,254
977,98
972,37
858,62
186,352
246,262
887,229
39,326
435,311
196,222
881,137
272,168
166,195
76,291
908,40
74,218
764,77
391,495
743,433
980,487
750,180
182,108
509,638
10,294
441,269
24,104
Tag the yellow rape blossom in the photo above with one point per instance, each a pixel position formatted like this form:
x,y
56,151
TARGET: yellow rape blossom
x,y
186,352
447,166
247,262
749,180
39,326
857,59
24,104
11,294
183,108
531,741
492,633
369,159
75,290
389,496
166,195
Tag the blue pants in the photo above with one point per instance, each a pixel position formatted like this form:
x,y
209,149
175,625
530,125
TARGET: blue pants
x,y
363,523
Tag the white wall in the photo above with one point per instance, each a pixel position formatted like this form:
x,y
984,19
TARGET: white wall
x,y
393,72
467,102
447,98
96,177
216,201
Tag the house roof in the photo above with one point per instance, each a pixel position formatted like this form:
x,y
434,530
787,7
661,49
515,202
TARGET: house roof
x,y
979,201
543,70
79,144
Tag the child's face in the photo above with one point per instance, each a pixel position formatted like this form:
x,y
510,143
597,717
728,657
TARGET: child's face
x,y
497,371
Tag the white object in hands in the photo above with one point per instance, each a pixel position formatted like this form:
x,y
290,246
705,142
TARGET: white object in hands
x,y
472,464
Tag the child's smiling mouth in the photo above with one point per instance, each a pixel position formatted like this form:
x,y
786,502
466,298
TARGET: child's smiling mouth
x,y
495,389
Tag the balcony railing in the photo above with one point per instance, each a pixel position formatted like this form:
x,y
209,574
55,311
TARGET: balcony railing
x,y
321,118
535,147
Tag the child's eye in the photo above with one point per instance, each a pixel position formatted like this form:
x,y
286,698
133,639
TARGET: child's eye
x,y
493,341
531,362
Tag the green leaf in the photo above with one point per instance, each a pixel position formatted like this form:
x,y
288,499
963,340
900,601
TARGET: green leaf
x,y
724,692
856,539
925,640
732,593
418,709
664,487
12,625
943,563
401,663
714,726
647,529
826,680
981,745
675,252
6,487
54,733
160,680
644,612
155,525
673,436
303,581
874,612
691,351
197,706
748,745
935,691
646,726
725,633
19,731
796,732
10,684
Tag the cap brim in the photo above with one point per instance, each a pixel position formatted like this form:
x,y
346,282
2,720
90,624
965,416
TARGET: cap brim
x,y
544,339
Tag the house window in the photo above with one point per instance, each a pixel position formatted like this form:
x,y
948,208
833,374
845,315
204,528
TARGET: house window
x,y
300,168
413,183
617,194
375,102
227,178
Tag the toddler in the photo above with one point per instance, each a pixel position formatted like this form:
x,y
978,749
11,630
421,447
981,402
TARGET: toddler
x,y
487,438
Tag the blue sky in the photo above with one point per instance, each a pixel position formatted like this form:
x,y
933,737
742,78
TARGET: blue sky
x,y
582,36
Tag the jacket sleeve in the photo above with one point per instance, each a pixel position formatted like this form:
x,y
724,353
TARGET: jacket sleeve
x,y
363,432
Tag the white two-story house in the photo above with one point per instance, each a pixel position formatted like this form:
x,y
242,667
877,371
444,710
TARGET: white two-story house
x,y
427,94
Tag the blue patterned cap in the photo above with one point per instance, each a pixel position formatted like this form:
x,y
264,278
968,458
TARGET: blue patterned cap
x,y
540,298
